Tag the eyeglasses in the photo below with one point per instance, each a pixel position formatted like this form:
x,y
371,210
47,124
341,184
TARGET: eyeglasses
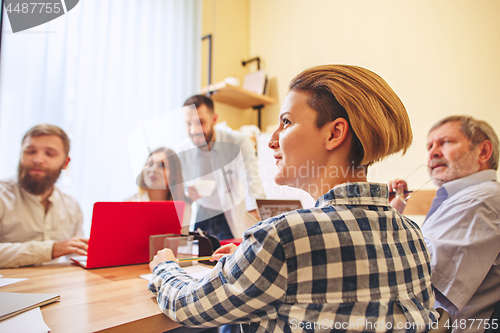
x,y
402,195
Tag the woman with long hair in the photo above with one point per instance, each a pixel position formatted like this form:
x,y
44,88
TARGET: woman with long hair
x,y
161,180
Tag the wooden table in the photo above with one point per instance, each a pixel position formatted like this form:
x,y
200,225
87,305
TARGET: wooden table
x,y
107,299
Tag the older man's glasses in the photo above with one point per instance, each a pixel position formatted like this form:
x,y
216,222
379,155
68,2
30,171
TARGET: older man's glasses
x,y
404,196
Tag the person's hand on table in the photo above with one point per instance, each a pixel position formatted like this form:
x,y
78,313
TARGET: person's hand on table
x,y
222,251
397,189
75,245
162,256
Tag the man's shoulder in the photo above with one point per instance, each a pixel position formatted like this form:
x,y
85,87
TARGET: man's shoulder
x,y
230,135
481,198
481,191
294,220
9,184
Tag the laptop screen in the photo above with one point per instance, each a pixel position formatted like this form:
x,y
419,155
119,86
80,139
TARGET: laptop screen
x,y
270,208
120,231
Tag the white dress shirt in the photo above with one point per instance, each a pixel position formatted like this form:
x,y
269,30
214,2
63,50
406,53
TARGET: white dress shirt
x,y
27,233
234,169
463,237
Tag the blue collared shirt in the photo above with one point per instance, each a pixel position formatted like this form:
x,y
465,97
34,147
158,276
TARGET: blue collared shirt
x,y
352,263
463,237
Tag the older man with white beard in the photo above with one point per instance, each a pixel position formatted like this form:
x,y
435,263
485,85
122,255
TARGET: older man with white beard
x,y
462,227
38,222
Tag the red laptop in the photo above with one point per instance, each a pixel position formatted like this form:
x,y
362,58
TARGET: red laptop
x,y
120,231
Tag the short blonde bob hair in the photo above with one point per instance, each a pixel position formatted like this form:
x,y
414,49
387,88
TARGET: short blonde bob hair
x,y
376,115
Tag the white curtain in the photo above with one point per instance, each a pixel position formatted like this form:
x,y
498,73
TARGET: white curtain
x,y
98,72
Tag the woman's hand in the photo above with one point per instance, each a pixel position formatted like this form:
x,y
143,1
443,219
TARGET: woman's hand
x,y
223,250
162,256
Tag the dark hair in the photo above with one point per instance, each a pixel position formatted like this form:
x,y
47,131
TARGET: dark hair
x,y
175,177
199,100
47,129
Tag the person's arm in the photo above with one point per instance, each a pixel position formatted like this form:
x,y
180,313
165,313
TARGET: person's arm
x,y
223,250
463,240
37,252
18,254
75,245
25,254
246,286
22,254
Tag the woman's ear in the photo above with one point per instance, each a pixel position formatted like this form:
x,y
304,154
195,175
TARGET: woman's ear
x,y
336,133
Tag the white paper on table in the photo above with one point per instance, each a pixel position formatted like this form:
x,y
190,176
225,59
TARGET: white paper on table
x,y
7,281
196,271
26,322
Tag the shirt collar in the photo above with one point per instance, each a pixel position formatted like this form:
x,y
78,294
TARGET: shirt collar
x,y
52,195
356,194
454,186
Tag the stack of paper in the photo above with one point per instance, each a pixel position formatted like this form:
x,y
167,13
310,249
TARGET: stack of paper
x,y
26,322
7,281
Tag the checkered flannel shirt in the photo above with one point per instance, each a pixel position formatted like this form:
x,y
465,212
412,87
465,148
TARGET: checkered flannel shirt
x,y
352,264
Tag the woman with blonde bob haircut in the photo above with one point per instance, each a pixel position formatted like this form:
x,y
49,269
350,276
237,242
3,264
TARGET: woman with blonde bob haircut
x,y
352,263
374,111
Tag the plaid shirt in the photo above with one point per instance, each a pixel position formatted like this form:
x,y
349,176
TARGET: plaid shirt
x,y
352,264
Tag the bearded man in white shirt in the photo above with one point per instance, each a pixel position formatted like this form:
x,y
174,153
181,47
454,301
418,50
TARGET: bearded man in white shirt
x,y
38,222
227,160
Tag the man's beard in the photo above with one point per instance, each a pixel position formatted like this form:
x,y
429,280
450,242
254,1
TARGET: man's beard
x,y
464,166
208,139
37,184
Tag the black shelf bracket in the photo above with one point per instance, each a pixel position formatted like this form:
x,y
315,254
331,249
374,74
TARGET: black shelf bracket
x,y
258,108
209,37
245,62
